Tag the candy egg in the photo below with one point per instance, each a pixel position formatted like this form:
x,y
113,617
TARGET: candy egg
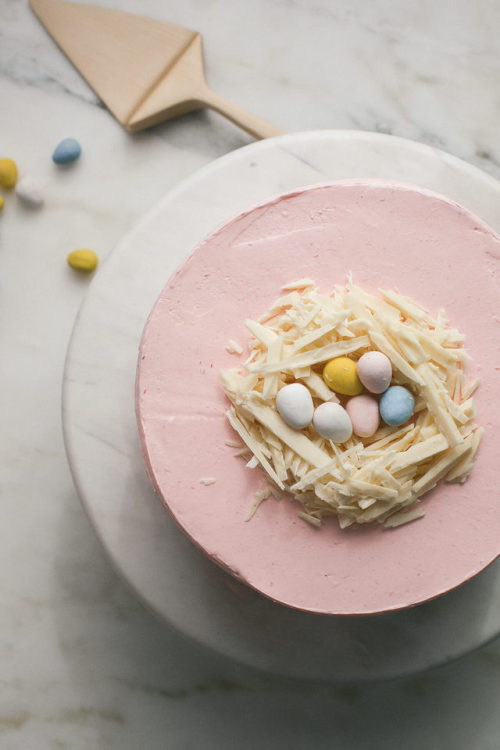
x,y
8,173
67,151
295,405
375,371
333,422
365,418
340,375
1,202
29,191
83,260
396,405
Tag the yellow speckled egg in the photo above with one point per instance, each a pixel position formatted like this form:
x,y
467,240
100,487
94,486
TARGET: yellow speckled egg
x,y
8,173
83,260
341,375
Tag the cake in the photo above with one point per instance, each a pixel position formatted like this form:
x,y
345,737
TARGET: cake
x,y
388,235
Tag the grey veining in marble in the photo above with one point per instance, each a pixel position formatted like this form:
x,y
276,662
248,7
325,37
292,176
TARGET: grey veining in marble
x,y
84,664
400,68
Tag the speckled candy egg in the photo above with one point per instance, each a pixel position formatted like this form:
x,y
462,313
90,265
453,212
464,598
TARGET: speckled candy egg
x,y
83,260
333,422
295,405
375,371
396,405
8,173
364,414
30,192
67,151
340,375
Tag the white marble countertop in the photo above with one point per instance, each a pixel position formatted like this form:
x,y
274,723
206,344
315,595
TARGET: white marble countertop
x,y
84,665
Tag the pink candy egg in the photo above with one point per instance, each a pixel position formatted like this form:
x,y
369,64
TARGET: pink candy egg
x,y
375,371
364,414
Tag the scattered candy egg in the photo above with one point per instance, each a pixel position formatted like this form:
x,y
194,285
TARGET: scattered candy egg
x,y
340,375
295,405
375,371
364,414
83,260
396,405
333,422
8,173
1,202
67,151
29,191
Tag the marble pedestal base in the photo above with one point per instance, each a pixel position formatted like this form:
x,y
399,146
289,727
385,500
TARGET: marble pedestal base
x,y
160,563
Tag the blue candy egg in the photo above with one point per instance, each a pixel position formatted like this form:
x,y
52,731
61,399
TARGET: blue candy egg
x,y
67,151
396,405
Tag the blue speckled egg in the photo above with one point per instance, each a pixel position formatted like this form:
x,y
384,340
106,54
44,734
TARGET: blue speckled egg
x,y
67,151
396,405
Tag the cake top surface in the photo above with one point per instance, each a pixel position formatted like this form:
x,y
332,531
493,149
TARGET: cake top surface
x,y
390,236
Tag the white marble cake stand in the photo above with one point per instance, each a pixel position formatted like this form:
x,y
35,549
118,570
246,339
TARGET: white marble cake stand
x,y
166,570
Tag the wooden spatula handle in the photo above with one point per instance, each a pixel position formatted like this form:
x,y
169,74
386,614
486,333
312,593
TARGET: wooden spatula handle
x,y
254,125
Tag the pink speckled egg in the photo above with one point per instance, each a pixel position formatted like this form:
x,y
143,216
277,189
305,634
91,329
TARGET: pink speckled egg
x,y
375,371
364,414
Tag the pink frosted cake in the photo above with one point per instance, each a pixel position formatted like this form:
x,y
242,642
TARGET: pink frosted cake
x,y
387,236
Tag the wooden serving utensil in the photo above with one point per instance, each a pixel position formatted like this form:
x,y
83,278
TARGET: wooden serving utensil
x,y
145,71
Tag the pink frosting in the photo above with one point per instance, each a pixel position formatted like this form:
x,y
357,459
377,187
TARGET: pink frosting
x,y
388,235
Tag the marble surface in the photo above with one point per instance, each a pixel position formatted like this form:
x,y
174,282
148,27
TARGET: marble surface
x,y
84,663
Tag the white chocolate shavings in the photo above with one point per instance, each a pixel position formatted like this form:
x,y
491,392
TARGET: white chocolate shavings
x,y
262,494
233,347
380,478
207,480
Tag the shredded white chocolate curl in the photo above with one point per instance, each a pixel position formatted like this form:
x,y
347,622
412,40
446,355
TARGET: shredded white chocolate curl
x,y
264,491
233,347
364,480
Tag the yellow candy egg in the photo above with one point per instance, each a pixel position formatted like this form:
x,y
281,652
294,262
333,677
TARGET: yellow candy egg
x,y
8,173
340,375
83,260
1,202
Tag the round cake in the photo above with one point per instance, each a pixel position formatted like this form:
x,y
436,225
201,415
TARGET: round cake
x,y
384,235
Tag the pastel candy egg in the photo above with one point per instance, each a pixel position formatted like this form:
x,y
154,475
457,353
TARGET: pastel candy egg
x,y
29,191
340,375
396,405
333,422
67,151
83,260
364,414
8,173
295,405
375,371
